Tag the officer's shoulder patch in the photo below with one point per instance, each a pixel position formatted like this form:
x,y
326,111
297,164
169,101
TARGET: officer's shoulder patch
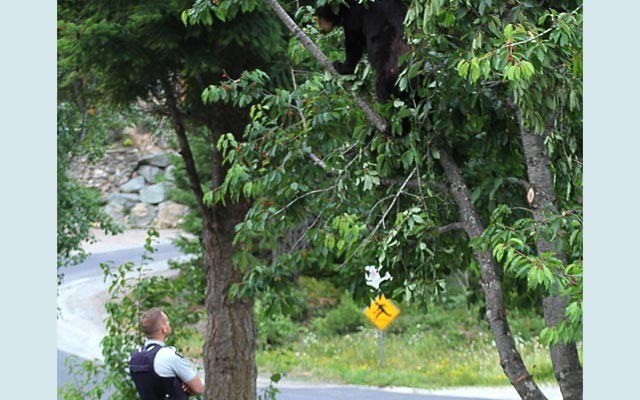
x,y
179,355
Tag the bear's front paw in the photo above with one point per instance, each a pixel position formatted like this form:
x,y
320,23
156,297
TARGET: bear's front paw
x,y
342,68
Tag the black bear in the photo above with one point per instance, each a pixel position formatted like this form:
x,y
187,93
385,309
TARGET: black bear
x,y
376,26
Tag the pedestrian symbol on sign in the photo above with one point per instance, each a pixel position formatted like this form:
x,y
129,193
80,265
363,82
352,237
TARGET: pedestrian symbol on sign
x,y
381,312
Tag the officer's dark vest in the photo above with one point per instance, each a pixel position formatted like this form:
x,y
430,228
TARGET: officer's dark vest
x,y
150,385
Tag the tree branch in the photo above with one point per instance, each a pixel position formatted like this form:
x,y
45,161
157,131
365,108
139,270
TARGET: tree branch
x,y
532,38
414,183
373,116
450,227
373,232
510,358
185,148
303,118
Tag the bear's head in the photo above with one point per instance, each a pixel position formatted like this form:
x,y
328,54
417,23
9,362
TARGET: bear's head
x,y
328,17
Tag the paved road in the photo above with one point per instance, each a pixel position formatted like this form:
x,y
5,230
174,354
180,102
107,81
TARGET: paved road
x,y
349,393
90,268
80,329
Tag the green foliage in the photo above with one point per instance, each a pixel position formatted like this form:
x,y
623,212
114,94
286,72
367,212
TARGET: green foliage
x,y
131,292
271,391
347,317
513,243
330,195
318,296
78,208
348,210
443,347
274,330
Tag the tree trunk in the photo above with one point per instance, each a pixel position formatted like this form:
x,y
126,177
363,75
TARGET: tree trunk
x,y
229,349
230,342
230,345
566,363
510,359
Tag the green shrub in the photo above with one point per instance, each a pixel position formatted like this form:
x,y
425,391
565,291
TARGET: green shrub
x,y
407,323
274,330
346,318
317,298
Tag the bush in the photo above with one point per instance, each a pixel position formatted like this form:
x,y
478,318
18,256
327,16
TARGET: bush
x,y
274,330
317,298
346,318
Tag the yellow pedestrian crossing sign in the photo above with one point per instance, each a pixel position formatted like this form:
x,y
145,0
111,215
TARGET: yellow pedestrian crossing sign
x,y
381,312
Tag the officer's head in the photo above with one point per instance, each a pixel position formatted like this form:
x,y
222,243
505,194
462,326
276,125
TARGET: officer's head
x,y
154,323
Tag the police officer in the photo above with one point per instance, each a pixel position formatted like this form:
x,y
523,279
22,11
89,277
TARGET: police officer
x,y
158,371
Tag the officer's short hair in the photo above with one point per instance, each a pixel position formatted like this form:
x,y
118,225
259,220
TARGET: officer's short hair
x,y
151,320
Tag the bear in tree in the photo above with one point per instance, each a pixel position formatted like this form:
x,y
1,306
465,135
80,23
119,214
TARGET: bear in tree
x,y
376,26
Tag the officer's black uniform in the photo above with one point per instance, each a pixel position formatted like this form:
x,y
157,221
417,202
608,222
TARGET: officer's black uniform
x,y
150,385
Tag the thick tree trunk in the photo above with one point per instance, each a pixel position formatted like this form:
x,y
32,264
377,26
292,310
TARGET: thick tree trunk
x,y
566,364
229,350
230,345
230,342
510,359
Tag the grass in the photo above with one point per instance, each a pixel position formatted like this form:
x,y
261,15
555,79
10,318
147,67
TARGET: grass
x,y
446,346
427,355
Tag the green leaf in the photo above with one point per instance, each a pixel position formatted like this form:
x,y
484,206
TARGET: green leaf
x,y
475,69
185,17
508,30
463,68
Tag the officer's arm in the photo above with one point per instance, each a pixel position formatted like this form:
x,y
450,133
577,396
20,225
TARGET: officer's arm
x,y
195,385
183,370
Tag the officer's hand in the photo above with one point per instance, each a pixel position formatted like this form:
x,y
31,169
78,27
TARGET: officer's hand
x,y
187,390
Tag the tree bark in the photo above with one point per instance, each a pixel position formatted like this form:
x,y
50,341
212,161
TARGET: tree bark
x,y
185,149
566,363
230,342
230,345
510,359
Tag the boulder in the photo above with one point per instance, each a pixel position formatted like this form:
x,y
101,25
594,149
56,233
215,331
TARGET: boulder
x,y
170,215
141,215
149,172
168,173
158,159
126,200
133,185
116,211
108,174
155,194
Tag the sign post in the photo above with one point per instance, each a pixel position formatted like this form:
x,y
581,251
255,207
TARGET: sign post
x,y
381,341
381,313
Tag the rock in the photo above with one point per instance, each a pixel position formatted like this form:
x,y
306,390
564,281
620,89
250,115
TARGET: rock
x,y
155,194
170,215
157,159
141,215
149,173
168,173
134,185
116,211
126,200
108,174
